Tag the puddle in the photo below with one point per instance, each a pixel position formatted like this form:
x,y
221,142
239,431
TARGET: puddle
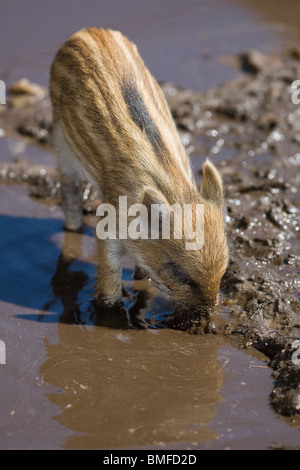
x,y
79,378
194,35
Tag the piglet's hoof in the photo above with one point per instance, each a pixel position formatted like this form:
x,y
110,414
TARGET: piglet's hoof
x,y
104,304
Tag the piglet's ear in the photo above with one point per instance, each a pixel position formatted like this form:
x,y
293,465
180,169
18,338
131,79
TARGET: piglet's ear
x,y
211,186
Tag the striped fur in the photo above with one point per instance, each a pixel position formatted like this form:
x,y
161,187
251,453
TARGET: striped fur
x,y
112,123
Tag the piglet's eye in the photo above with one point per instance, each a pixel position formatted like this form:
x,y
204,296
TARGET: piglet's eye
x,y
179,274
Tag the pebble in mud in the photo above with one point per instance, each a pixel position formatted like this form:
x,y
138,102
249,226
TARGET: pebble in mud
x,y
26,87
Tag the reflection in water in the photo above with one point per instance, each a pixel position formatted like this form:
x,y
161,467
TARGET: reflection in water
x,y
120,381
66,284
134,389
72,287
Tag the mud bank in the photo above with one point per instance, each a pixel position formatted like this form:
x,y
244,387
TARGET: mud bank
x,y
250,129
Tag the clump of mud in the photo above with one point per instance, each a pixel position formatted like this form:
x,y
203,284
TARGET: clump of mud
x,y
250,129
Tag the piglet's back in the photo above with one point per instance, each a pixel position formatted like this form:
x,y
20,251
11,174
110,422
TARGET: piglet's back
x,y
112,110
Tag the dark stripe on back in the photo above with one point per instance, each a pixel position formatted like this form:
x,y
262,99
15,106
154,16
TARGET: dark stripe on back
x,y
141,117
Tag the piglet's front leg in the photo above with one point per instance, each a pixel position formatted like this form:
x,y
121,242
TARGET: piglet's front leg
x,y
109,277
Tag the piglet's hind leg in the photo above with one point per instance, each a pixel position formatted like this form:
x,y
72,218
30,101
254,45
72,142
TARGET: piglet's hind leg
x,y
71,182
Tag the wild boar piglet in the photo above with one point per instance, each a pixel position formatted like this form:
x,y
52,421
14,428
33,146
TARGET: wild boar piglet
x,y
112,125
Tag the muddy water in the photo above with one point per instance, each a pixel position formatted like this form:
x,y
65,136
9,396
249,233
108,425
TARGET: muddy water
x,y
77,377
194,35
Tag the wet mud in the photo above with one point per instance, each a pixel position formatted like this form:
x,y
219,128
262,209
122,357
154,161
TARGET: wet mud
x,y
250,129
